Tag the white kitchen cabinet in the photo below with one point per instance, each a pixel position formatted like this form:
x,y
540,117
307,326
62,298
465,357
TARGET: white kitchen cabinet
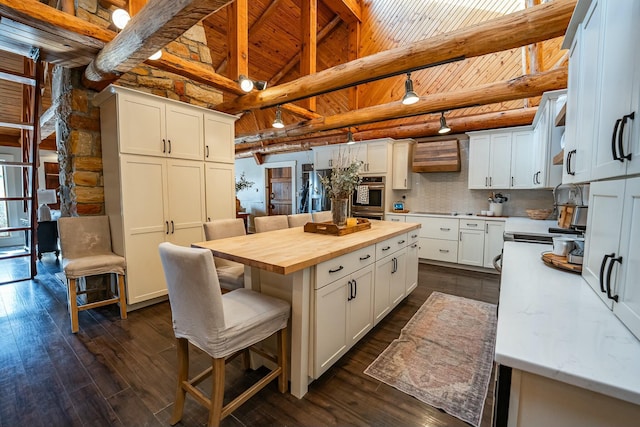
x,y
344,314
546,142
150,126
401,171
377,155
471,242
373,156
220,190
522,153
390,283
218,138
324,156
394,218
438,237
493,241
489,159
612,247
412,265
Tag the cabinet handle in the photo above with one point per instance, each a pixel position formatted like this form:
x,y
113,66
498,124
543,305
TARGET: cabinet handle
x,y
621,133
512,181
166,225
336,270
169,141
209,219
444,229
460,236
355,289
609,270
486,181
413,236
602,266
490,181
405,182
614,153
472,225
444,251
330,163
569,157
415,245
401,242
362,258
393,265
386,248
350,297
173,229
207,150
486,228
164,146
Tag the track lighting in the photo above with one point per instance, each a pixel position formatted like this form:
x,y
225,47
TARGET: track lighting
x,y
410,97
247,85
277,122
350,139
443,125
120,18
156,55
260,84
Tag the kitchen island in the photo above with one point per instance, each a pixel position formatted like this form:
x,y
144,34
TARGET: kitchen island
x,y
316,273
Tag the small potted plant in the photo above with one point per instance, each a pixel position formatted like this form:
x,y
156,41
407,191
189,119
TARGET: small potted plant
x,y
242,184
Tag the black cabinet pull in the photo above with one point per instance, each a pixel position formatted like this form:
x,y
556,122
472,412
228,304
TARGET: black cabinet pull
x,y
207,149
350,297
413,236
621,133
401,242
362,258
173,228
166,225
609,270
386,248
336,270
602,267
355,289
164,146
169,141
569,157
614,153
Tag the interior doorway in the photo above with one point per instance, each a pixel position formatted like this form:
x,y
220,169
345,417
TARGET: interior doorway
x,y
280,188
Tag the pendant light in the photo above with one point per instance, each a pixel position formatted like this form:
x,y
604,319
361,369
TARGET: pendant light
x,y
277,122
410,97
350,139
443,125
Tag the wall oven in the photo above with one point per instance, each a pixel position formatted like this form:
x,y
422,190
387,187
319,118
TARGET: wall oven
x,y
367,200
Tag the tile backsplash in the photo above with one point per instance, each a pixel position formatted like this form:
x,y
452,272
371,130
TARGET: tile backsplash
x,y
448,192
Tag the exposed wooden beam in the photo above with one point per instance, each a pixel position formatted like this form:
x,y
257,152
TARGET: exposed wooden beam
x,y
121,4
539,23
49,143
9,140
494,120
136,6
48,122
309,37
490,93
348,10
68,6
15,77
353,53
157,24
238,39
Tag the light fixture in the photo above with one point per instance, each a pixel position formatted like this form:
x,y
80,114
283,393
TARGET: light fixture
x,y
45,197
156,55
277,122
410,97
350,139
120,18
260,84
443,125
246,84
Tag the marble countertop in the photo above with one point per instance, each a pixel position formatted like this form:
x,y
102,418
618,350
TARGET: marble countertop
x,y
450,215
551,323
528,225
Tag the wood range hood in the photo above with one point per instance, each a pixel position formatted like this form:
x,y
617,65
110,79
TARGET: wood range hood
x,y
436,156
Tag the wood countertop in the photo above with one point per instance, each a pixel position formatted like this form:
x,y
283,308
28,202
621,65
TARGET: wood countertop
x,y
291,249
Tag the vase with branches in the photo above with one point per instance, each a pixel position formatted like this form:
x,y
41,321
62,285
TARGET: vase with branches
x,y
340,183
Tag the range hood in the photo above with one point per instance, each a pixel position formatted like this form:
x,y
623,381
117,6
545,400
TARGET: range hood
x,y
437,156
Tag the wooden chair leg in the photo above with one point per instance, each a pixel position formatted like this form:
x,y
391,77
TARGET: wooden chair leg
x,y
217,392
123,297
246,358
183,375
283,379
73,305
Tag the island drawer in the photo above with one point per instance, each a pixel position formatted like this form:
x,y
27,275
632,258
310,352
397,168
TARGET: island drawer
x,y
336,268
471,224
391,245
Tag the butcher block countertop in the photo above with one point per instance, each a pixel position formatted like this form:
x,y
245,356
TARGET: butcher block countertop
x,y
291,249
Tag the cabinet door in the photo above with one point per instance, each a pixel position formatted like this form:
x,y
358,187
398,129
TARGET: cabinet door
x,y
471,247
500,161
186,193
144,178
220,191
398,283
382,304
522,150
603,232
540,144
331,324
323,158
376,158
412,267
571,120
141,125
479,154
439,250
628,290
185,132
493,241
218,139
401,166
360,305
619,39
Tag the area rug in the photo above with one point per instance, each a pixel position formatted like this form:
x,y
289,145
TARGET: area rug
x,y
444,356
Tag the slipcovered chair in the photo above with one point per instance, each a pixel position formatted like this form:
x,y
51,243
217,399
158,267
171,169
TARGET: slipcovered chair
x,y
298,220
86,251
322,216
230,273
270,223
221,325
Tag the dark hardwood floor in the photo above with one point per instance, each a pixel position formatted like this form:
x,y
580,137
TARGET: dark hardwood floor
x,y
122,372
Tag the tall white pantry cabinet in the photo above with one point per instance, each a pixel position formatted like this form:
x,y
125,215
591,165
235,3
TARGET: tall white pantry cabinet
x,y
168,167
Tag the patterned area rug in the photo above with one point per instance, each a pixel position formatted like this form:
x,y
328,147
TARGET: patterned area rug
x,y
444,356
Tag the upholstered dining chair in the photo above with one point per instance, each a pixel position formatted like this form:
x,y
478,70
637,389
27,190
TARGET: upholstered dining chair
x,y
85,243
270,223
230,273
322,216
298,220
221,325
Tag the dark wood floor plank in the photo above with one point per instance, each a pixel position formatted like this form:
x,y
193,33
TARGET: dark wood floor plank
x,y
95,410
131,410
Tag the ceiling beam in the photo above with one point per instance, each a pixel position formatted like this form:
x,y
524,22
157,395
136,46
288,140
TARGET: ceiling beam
x,y
535,24
158,23
348,10
518,88
494,120
309,46
238,39
121,4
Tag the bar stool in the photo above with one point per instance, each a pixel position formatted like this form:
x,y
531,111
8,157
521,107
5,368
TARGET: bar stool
x,y
298,220
270,223
230,273
322,216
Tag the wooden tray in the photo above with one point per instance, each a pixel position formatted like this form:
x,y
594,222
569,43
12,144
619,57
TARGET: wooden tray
x,y
560,262
333,230
401,211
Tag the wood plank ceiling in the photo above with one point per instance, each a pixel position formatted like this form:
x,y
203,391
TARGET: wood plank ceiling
x,y
274,46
